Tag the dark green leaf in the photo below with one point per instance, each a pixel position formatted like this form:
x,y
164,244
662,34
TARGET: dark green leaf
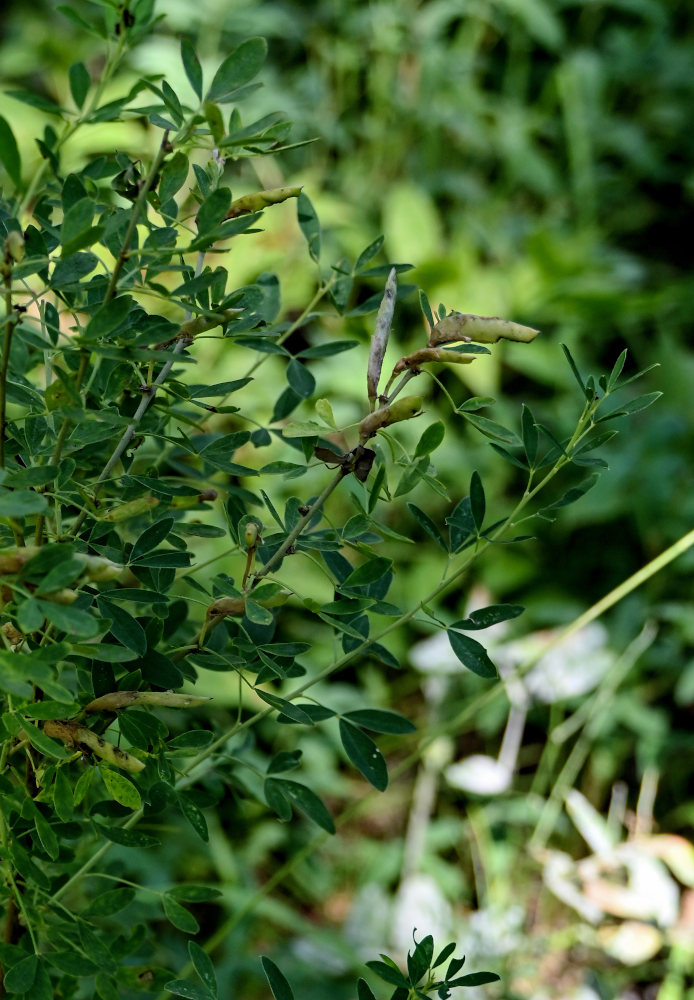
x,y
9,153
126,629
368,254
373,570
306,800
429,526
380,720
572,495
151,537
281,990
477,500
364,991
364,754
574,369
390,973
461,524
475,979
430,439
173,176
420,960
472,655
238,68
513,459
194,893
633,406
177,915
300,379
212,211
21,503
20,978
292,711
490,428
277,799
327,350
80,82
44,744
309,225
128,838
426,308
182,988
192,67
443,955
220,389
529,434
109,902
194,815
486,617
62,796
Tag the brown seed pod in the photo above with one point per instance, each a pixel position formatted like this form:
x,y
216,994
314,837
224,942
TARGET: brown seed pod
x,y
481,329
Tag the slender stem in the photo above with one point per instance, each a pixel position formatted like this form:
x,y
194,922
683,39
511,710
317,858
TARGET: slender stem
x,y
129,432
10,324
147,184
298,528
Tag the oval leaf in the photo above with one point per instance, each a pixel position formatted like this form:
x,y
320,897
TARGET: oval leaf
x,y
364,754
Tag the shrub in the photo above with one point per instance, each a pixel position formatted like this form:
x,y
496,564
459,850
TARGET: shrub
x,y
119,468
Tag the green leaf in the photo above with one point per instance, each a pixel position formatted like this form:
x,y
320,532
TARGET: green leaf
x,y
574,369
128,838
281,990
429,526
461,524
327,350
124,628
308,802
203,966
486,617
477,500
20,978
419,962
182,988
68,619
212,211
238,68
300,379
173,176
220,389
572,495
21,503
364,991
9,153
364,754
475,979
633,406
44,744
309,225
368,254
194,815
152,536
443,955
192,67
194,893
277,799
513,459
121,788
257,614
430,439
48,839
390,973
490,428
177,915
373,570
80,82
108,317
380,720
292,711
109,902
62,796
529,434
472,655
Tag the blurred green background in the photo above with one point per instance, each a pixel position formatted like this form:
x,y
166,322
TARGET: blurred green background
x,y
533,159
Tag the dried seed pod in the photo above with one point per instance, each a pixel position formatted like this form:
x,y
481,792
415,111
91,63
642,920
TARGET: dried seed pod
x,y
261,199
123,699
427,354
132,508
14,246
481,329
75,735
401,409
379,341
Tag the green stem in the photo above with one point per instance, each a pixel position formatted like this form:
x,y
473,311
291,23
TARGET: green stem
x,y
10,324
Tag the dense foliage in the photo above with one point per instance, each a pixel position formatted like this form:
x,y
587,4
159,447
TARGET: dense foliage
x,y
183,392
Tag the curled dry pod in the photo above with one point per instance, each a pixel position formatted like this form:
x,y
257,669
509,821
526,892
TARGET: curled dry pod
x,y
379,341
481,329
98,569
75,735
427,354
260,200
123,699
401,409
